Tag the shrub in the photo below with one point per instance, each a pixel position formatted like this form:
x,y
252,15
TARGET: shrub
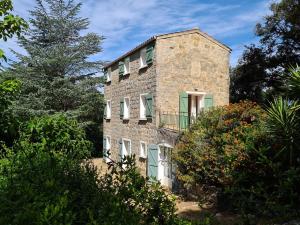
x,y
56,134
44,180
9,124
237,152
219,143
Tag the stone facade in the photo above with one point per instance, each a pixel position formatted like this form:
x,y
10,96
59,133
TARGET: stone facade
x,y
183,61
190,61
139,81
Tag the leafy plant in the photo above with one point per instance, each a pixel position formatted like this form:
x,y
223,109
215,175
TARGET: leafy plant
x,y
283,124
9,124
9,23
46,179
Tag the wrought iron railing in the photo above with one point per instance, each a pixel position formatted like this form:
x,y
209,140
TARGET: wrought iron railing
x,y
176,121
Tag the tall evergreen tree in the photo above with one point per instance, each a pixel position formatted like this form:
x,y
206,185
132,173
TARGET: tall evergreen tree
x,y
267,63
57,72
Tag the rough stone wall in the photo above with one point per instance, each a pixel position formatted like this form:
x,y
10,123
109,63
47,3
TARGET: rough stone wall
x,y
190,62
139,81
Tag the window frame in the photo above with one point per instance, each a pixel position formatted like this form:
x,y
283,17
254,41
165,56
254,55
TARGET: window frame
x,y
106,144
108,109
128,108
143,100
126,67
143,58
108,75
144,153
123,145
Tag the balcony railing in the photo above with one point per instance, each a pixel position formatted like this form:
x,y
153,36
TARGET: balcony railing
x,y
176,121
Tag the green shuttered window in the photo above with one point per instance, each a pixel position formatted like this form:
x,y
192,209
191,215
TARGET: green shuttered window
x,y
149,106
121,68
152,170
105,114
122,108
149,54
104,147
120,150
208,101
183,110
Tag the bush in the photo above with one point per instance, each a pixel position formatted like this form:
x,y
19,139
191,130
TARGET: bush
x,y
232,153
43,180
56,134
9,124
219,143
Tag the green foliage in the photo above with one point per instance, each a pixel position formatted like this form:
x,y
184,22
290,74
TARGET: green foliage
x,y
219,143
46,179
57,134
264,65
9,23
283,124
56,72
249,78
247,156
8,123
293,83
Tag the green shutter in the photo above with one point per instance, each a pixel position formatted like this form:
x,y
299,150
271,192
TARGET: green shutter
x,y
105,112
105,75
183,110
149,54
152,161
149,106
121,68
208,101
104,148
122,108
120,150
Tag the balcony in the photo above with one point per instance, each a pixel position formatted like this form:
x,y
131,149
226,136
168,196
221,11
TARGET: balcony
x,y
176,121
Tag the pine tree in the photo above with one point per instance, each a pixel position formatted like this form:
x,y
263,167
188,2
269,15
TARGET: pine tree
x,y
57,72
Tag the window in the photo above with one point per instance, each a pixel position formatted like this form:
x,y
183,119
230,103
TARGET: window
x,y
106,148
108,143
143,149
126,147
143,107
121,68
108,75
143,62
127,66
108,109
146,106
126,108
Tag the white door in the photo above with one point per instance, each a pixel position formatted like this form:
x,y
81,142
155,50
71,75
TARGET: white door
x,y
165,165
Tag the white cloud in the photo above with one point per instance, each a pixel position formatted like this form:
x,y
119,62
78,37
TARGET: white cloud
x,y
125,23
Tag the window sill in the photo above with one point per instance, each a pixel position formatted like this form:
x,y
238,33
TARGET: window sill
x,y
108,118
142,67
143,157
143,119
125,74
126,118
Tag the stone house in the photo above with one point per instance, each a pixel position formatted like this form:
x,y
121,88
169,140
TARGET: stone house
x,y
156,90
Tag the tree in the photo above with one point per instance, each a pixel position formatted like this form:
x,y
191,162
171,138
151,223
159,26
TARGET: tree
x,y
57,72
248,78
9,23
277,51
47,179
9,90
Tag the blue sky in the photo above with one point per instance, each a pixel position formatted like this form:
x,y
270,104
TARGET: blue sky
x,y
126,23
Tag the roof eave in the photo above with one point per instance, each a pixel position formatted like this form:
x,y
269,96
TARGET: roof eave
x,y
131,51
